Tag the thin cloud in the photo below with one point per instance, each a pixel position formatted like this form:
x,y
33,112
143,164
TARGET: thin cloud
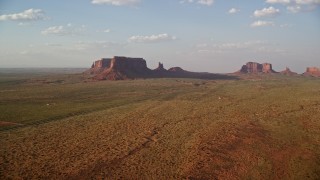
x,y
286,25
262,24
152,38
116,2
295,6
294,9
97,45
27,15
104,31
233,11
24,24
300,2
206,2
202,2
63,30
53,44
307,2
186,1
278,1
269,12
107,30
55,30
249,46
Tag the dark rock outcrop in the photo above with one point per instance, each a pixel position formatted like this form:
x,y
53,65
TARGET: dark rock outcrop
x,y
160,71
288,72
312,71
253,67
160,67
176,69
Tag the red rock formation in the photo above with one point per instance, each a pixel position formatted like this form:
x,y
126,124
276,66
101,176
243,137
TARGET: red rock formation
x,y
121,68
99,65
288,72
253,67
267,68
312,71
103,63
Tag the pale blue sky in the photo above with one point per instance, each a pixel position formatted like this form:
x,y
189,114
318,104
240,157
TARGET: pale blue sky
x,y
198,35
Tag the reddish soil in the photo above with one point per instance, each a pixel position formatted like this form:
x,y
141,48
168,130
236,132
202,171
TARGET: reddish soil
x,y
4,123
244,151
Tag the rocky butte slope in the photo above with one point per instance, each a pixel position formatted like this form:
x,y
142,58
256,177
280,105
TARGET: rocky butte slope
x,y
288,72
312,71
99,65
121,68
254,67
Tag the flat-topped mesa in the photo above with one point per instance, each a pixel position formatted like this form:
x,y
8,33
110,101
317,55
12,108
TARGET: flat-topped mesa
x,y
288,72
125,64
119,68
312,71
254,67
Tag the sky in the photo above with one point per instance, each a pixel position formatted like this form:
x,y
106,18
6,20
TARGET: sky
x,y
197,35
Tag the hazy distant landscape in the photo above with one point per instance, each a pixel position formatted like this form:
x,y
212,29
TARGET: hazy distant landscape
x,y
40,71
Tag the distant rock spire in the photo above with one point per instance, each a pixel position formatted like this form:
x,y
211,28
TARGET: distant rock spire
x,y
160,67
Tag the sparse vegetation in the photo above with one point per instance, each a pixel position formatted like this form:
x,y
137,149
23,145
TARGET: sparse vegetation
x,y
262,127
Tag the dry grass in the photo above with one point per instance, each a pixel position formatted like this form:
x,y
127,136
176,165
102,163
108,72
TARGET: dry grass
x,y
165,129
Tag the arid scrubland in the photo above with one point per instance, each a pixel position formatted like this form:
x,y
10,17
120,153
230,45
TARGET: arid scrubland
x,y
60,127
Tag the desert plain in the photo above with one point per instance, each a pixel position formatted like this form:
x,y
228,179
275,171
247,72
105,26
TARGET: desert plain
x,y
60,126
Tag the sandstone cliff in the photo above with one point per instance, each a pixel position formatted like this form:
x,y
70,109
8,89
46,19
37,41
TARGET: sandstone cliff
x,y
119,68
312,71
99,65
253,67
